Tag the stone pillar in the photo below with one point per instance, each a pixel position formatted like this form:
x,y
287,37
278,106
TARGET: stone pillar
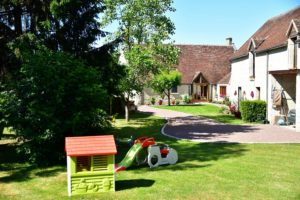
x,y
298,102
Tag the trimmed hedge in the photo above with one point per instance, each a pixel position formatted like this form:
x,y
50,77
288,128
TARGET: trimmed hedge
x,y
253,111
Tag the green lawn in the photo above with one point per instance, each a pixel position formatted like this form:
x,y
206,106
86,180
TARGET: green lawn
x,y
204,171
205,110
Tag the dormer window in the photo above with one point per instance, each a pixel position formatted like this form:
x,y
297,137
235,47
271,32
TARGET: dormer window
x,y
292,53
293,33
251,65
253,45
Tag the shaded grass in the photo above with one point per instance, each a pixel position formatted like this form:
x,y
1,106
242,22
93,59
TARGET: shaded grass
x,y
204,171
205,110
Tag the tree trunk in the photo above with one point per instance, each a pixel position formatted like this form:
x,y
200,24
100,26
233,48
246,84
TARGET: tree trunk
x,y
1,131
169,101
18,20
126,111
110,105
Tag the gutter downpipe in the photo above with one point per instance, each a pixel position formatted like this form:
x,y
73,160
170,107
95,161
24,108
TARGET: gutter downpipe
x,y
267,85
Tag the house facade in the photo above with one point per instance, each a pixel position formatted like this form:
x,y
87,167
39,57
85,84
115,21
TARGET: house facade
x,y
267,67
202,67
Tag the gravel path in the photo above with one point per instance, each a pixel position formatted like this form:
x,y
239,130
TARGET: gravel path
x,y
185,126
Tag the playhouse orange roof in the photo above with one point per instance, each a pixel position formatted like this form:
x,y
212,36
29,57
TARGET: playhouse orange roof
x,y
90,145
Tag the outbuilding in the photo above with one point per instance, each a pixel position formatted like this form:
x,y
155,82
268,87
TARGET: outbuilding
x,y
90,164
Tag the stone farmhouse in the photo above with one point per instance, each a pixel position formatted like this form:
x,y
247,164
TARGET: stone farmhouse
x,y
204,69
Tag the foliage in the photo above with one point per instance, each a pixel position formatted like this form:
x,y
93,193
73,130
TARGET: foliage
x,y
55,96
164,81
105,61
226,101
225,110
140,21
143,27
66,25
186,98
253,111
152,100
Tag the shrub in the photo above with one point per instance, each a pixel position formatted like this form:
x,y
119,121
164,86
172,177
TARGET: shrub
x,y
253,111
152,100
186,98
54,96
226,101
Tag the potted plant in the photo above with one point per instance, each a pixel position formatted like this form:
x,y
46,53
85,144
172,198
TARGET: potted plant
x,y
160,102
173,101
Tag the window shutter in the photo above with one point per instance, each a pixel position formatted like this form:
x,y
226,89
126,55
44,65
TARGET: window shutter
x,y
100,163
251,65
291,53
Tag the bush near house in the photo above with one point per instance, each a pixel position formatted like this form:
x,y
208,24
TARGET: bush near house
x,y
253,111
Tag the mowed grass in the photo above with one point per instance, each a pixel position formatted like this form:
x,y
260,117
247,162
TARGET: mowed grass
x,y
204,171
205,110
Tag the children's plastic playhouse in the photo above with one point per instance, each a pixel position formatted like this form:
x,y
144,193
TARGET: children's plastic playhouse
x,y
157,154
90,164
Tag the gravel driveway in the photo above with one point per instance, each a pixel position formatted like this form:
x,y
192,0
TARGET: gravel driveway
x,y
185,126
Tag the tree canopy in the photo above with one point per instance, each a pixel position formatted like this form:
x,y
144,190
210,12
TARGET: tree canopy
x,y
143,26
54,82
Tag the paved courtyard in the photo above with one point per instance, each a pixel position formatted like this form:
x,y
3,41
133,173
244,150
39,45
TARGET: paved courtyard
x,y
185,126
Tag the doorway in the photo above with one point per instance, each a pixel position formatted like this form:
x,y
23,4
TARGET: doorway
x,y
201,92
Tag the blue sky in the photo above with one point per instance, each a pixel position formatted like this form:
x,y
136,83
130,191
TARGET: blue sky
x,y
211,21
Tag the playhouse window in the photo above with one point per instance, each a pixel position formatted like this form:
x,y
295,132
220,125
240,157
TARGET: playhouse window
x,y
91,163
83,164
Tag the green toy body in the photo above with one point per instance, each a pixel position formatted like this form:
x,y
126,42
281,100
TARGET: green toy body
x,y
98,178
131,156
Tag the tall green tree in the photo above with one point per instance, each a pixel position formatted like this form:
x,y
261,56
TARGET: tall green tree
x,y
165,81
54,82
143,26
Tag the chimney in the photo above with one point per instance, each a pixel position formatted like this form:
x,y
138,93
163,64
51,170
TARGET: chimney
x,y
229,41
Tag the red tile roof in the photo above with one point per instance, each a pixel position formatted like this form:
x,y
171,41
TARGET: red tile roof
x,y
211,61
90,145
271,35
225,79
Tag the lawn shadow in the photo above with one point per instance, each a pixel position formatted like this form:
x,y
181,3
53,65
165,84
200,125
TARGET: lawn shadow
x,y
49,172
18,175
15,167
135,183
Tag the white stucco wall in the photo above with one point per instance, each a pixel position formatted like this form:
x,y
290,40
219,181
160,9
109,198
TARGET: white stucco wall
x,y
298,60
261,76
240,77
298,101
275,60
278,59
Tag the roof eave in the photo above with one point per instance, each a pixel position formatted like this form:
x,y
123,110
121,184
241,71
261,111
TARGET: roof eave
x,y
260,51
